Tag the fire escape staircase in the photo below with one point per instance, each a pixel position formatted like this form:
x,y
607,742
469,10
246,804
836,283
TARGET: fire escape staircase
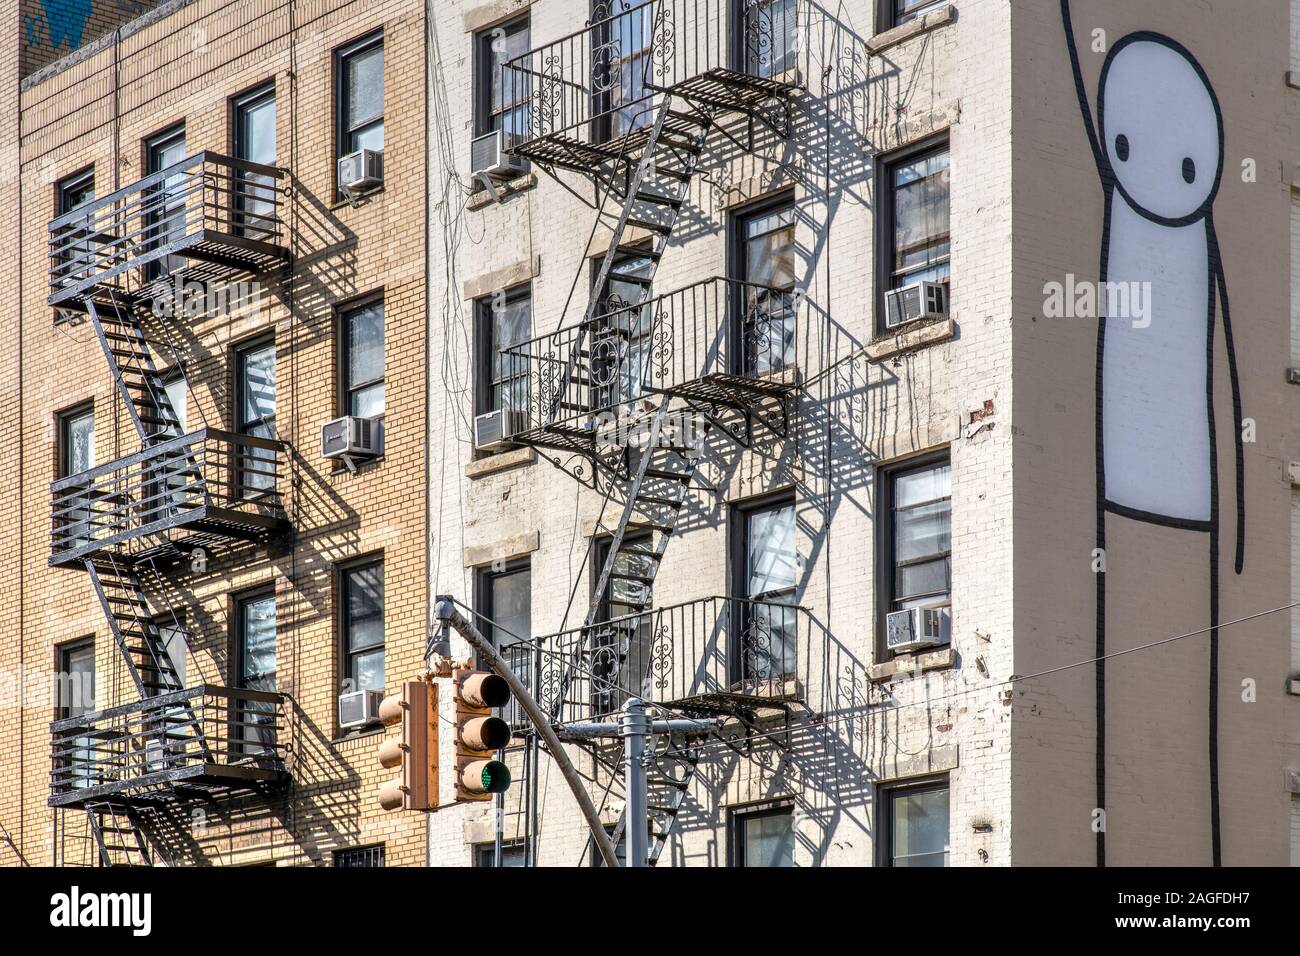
x,y
119,836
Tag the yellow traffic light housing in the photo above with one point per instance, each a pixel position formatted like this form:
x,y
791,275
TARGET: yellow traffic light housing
x,y
479,735
414,713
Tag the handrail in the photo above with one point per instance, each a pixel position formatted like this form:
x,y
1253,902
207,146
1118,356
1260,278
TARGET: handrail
x,y
164,701
162,449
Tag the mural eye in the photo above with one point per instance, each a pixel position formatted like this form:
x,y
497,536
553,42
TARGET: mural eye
x,y
1121,147
1189,170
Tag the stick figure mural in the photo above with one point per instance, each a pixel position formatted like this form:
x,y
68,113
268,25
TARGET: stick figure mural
x,y
1158,147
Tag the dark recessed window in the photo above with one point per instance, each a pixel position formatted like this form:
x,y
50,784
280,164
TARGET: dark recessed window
x,y
76,244
765,261
763,837
255,669
513,853
769,37
501,101
766,573
894,13
914,535
255,415
361,341
75,690
362,602
501,378
912,225
621,652
621,334
75,190
504,599
361,95
620,850
165,201
622,40
360,856
76,441
913,824
254,141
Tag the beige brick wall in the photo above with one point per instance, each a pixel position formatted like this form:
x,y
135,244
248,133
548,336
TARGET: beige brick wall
x,y
339,252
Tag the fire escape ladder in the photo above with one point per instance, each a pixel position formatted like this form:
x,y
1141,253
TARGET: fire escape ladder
x,y
118,835
138,382
668,781
668,161
135,631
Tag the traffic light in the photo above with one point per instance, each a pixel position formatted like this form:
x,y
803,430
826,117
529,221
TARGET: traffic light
x,y
479,735
415,749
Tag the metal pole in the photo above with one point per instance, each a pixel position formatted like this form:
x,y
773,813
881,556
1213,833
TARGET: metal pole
x,y
635,730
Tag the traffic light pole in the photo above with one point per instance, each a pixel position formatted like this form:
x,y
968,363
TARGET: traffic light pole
x,y
449,616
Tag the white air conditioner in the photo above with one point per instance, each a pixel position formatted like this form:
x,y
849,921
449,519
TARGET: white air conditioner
x,y
487,157
492,430
919,300
359,708
361,172
350,438
917,627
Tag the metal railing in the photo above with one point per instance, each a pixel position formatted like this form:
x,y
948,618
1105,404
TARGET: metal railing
x,y
715,328
592,84
167,737
702,655
168,485
209,206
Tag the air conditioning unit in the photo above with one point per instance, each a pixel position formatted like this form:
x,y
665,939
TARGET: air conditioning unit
x,y
492,430
487,157
361,172
917,627
350,438
359,708
919,300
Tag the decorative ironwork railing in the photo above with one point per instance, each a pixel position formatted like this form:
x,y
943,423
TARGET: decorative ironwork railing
x,y
209,206
221,482
716,654
719,329
593,84
173,736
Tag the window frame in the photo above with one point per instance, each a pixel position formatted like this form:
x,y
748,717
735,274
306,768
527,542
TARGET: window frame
x,y
485,345
153,145
344,388
62,651
883,174
484,605
65,185
241,740
487,852
240,103
342,594
65,417
738,269
738,816
483,112
885,476
345,852
885,794
888,15
343,133
738,571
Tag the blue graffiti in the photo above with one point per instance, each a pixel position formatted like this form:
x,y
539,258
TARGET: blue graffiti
x,y
66,20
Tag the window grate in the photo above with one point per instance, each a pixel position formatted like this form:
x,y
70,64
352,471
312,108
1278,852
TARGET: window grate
x,y
360,856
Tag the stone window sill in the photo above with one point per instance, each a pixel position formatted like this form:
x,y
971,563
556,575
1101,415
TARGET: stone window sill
x,y
501,461
914,336
912,28
483,198
937,660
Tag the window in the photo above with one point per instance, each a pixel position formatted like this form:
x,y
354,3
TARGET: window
x,y
75,691
915,538
504,319
362,600
76,190
912,227
765,566
255,670
255,415
768,33
360,72
501,102
504,600
914,824
621,652
76,441
360,856
165,202
361,337
621,46
892,13
764,261
763,837
78,246
513,853
620,850
621,339
254,141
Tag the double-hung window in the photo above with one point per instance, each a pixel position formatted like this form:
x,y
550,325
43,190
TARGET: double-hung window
x,y
360,71
767,571
255,669
505,604
504,319
501,97
913,824
254,141
255,416
765,262
166,218
893,13
362,598
361,336
915,537
763,837
912,231
77,245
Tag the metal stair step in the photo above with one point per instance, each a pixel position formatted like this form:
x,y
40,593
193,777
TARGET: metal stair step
x,y
633,250
660,227
667,475
658,199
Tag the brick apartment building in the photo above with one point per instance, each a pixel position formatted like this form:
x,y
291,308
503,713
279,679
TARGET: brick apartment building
x,y
178,341
678,221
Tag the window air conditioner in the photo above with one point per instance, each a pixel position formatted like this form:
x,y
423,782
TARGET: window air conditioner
x,y
359,708
361,172
919,300
487,157
492,430
917,627
350,438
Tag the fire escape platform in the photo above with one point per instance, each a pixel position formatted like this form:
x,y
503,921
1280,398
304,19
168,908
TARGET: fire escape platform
x,y
179,784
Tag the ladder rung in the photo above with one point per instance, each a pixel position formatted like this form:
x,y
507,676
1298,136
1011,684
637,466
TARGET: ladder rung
x,y
637,251
657,198
681,175
699,121
667,475
660,227
657,500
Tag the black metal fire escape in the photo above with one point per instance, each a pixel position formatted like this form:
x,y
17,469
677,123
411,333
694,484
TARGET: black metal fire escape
x,y
207,217
630,101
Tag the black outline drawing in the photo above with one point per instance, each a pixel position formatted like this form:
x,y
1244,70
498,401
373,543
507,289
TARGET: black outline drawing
x,y
1218,290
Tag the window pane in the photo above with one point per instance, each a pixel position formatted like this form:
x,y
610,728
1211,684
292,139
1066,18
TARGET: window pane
x,y
920,831
368,137
365,607
921,217
257,386
79,435
927,485
257,657
512,607
257,131
365,86
76,687
923,531
513,44
772,562
368,670
367,402
769,840
932,578
365,332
